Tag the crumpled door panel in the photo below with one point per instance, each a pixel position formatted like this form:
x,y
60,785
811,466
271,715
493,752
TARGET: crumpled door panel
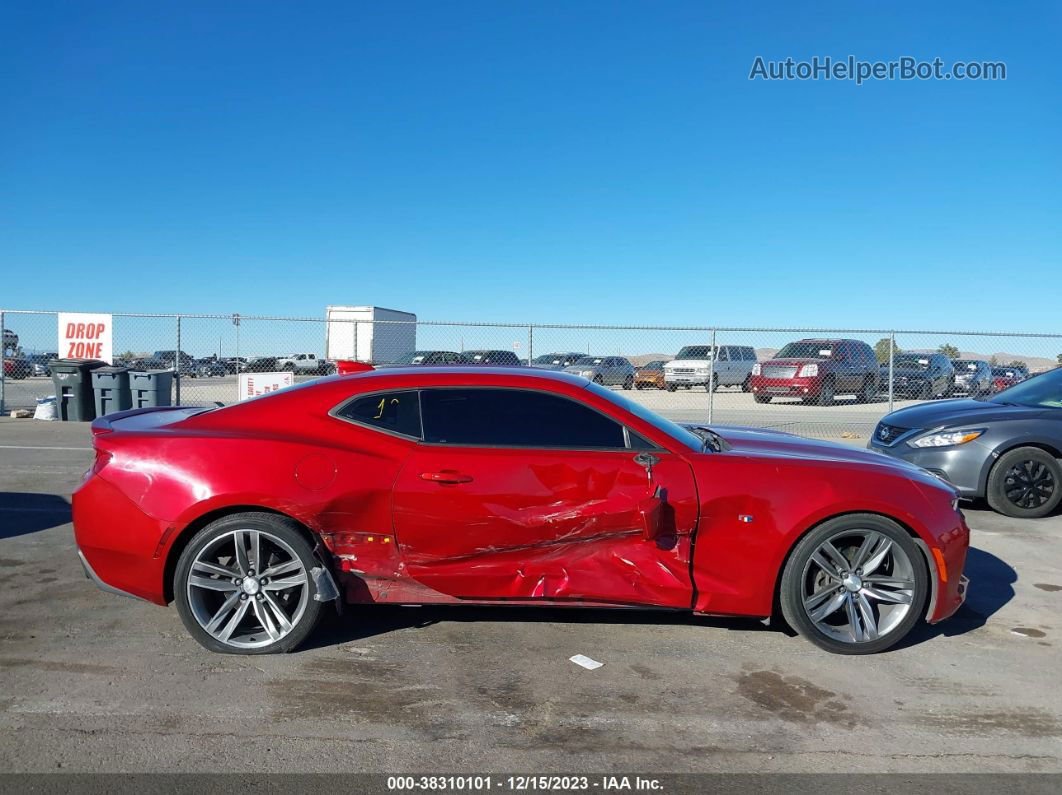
x,y
545,525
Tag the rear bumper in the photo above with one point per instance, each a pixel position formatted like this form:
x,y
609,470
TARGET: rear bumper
x,y
117,542
91,574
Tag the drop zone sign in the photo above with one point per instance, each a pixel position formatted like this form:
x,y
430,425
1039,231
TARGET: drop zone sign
x,y
85,336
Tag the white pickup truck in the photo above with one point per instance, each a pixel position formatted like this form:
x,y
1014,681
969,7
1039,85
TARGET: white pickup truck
x,y
304,363
696,366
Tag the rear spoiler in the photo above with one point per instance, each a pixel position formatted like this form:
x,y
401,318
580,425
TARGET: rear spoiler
x,y
105,424
348,366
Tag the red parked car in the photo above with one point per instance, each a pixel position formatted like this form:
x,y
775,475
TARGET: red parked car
x,y
500,486
817,371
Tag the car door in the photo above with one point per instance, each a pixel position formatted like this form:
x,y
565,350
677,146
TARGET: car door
x,y
520,494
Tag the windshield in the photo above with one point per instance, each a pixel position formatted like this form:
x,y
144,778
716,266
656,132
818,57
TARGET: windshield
x,y
806,349
912,361
590,360
1004,372
658,365
966,364
676,432
1041,390
695,352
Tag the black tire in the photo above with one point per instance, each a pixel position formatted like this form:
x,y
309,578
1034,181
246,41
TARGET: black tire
x,y
281,527
825,395
628,382
746,385
868,392
599,380
672,387
762,398
713,383
791,588
1017,478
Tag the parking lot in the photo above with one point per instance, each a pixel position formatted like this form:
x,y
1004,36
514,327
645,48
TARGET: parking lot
x,y
845,419
95,682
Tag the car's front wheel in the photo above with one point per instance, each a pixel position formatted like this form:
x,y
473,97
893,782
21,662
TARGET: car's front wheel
x,y
243,585
1025,483
762,398
856,584
825,395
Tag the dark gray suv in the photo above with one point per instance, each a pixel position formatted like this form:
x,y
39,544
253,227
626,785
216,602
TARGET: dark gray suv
x,y
1006,449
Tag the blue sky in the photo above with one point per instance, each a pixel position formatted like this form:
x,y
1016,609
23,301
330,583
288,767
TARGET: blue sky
x,y
555,162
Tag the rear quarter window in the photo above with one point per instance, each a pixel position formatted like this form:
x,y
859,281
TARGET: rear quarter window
x,y
393,412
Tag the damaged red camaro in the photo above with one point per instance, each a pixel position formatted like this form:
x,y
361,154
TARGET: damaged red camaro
x,y
505,487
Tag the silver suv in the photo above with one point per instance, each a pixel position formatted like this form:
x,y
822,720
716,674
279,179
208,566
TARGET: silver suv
x,y
606,370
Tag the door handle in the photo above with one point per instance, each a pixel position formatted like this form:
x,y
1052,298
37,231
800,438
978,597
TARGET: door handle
x,y
446,476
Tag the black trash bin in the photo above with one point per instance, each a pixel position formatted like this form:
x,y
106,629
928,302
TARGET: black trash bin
x,y
111,386
73,388
150,388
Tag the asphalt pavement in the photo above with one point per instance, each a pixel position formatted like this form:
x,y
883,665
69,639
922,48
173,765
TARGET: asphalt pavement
x,y
94,682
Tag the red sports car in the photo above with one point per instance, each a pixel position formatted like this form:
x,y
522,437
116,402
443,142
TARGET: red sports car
x,y
509,487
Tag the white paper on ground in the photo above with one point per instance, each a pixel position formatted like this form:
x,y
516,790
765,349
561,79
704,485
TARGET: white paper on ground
x,y
586,662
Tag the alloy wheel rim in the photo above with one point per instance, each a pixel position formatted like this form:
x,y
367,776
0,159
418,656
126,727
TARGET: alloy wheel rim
x,y
247,588
858,586
1029,484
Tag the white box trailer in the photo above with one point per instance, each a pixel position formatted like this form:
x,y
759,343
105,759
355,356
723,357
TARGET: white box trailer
x,y
354,332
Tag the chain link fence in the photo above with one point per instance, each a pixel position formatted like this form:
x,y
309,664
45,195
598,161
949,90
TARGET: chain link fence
x,y
822,383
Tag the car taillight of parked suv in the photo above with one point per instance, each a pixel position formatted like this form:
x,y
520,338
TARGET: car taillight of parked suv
x,y
816,371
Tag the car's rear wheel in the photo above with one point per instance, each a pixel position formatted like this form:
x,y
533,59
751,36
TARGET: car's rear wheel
x,y
856,584
1025,483
243,585
599,380
628,382
746,385
672,387
762,398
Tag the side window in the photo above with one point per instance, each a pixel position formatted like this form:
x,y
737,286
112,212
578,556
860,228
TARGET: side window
x,y
515,418
395,412
724,354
